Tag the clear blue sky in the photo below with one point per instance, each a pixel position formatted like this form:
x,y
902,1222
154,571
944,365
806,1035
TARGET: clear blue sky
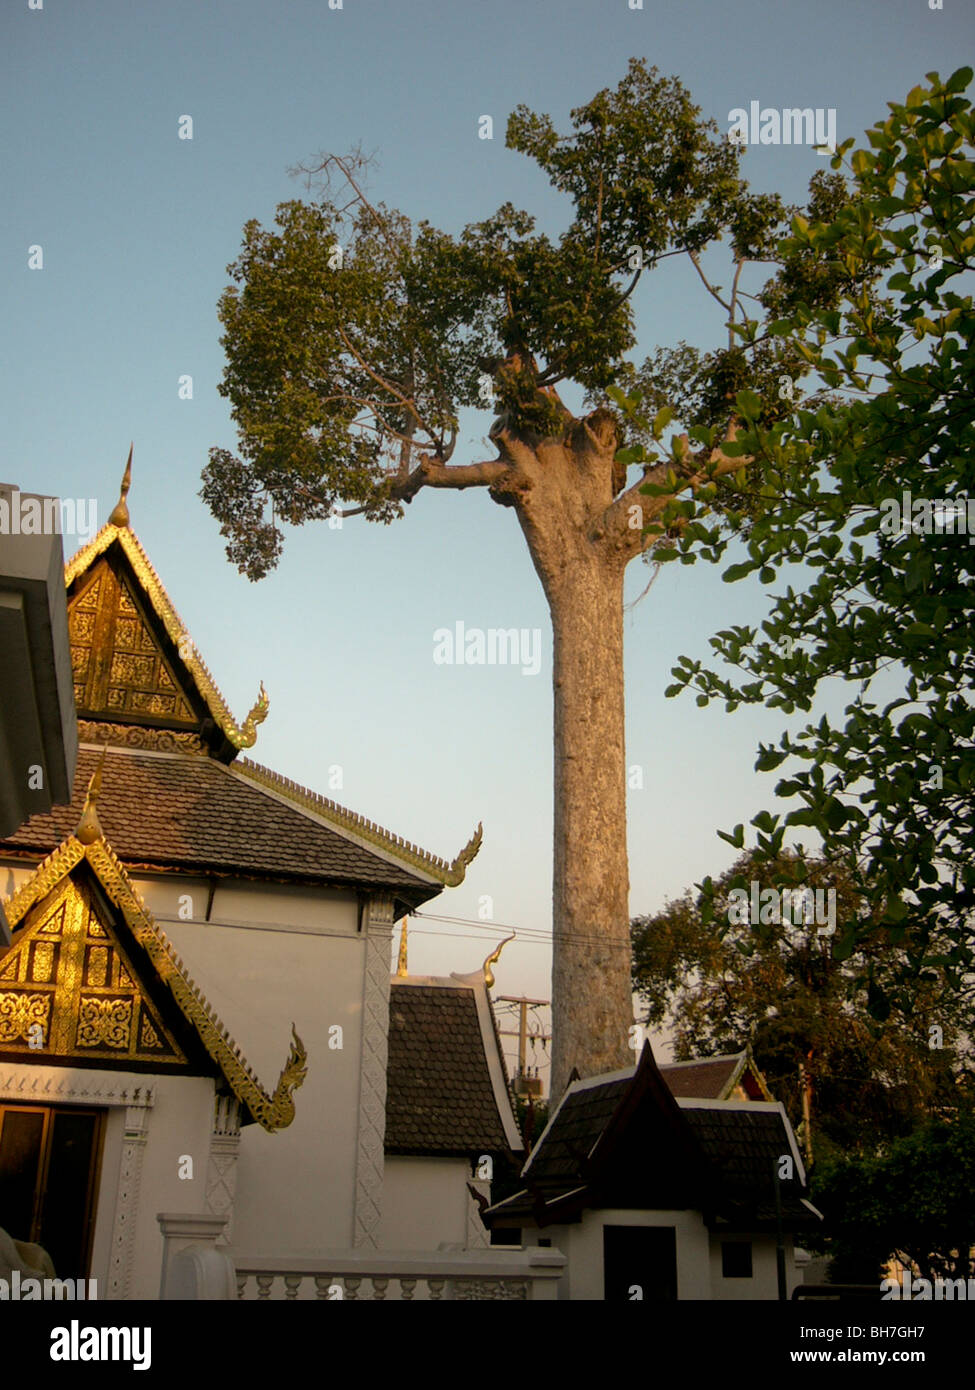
x,y
137,227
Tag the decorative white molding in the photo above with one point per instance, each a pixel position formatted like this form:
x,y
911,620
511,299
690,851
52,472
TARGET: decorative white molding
x,y
127,1201
371,1133
54,1085
222,1164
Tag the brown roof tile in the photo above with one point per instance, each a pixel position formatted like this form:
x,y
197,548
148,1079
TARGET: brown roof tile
x,y
703,1080
176,810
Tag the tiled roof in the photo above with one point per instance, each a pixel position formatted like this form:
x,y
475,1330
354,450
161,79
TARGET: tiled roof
x,y
174,810
704,1079
439,1095
744,1144
559,1161
622,1141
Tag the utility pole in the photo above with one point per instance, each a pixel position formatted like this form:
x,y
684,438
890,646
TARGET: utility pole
x,y
522,1034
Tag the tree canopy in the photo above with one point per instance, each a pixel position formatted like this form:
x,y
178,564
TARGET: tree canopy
x,y
889,791
720,982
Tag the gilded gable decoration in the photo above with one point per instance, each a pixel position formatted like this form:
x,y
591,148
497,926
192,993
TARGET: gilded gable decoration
x,y
118,612
70,986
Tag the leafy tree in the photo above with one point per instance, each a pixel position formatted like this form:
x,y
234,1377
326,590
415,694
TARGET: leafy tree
x,y
889,791
914,1202
353,339
720,982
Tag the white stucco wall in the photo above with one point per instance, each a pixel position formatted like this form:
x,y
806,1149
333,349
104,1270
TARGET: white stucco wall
x,y
764,1283
296,955
698,1256
582,1243
425,1203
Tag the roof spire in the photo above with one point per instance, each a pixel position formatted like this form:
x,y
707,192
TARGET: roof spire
x,y
401,970
89,827
120,512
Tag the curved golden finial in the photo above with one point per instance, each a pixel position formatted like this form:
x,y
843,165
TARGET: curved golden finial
x,y
246,735
89,827
401,970
492,960
120,512
458,869
279,1113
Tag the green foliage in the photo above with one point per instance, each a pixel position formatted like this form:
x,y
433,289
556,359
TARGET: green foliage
x,y
914,1201
345,372
889,791
802,999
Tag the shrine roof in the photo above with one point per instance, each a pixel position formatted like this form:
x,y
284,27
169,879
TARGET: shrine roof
x,y
715,1078
192,813
446,1082
623,1140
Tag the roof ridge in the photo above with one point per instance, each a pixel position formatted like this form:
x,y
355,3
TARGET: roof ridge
x,y
450,874
705,1061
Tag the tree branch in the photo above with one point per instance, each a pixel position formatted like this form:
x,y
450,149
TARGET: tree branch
x,y
615,522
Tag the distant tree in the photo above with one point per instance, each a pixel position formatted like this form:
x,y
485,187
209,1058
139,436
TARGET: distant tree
x,y
720,982
353,339
914,1202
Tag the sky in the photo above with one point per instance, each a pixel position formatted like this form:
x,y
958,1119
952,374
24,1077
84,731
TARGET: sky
x,y
136,228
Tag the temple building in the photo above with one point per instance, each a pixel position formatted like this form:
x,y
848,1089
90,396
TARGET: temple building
x,y
201,1046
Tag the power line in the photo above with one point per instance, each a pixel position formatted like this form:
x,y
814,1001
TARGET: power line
x,y
533,935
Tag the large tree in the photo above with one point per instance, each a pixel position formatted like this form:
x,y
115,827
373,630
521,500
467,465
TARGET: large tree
x,y
354,338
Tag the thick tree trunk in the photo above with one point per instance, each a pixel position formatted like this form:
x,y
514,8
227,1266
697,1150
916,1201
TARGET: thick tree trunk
x,y
592,993
563,492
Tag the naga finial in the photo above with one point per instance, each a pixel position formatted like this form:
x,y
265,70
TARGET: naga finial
x,y
89,827
292,1075
246,735
458,868
120,512
493,958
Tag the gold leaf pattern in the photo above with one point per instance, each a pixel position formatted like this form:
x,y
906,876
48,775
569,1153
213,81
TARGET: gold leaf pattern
x,y
19,1012
104,1023
42,962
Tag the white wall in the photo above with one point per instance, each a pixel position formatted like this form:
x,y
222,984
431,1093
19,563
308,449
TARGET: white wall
x,y
582,1243
764,1283
296,1187
425,1203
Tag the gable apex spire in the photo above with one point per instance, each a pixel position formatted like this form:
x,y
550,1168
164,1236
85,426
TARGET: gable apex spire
x,y
120,512
89,827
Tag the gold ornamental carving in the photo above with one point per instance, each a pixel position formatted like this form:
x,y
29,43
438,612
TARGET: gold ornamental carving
x,y
105,1023
116,1022
109,632
21,1013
